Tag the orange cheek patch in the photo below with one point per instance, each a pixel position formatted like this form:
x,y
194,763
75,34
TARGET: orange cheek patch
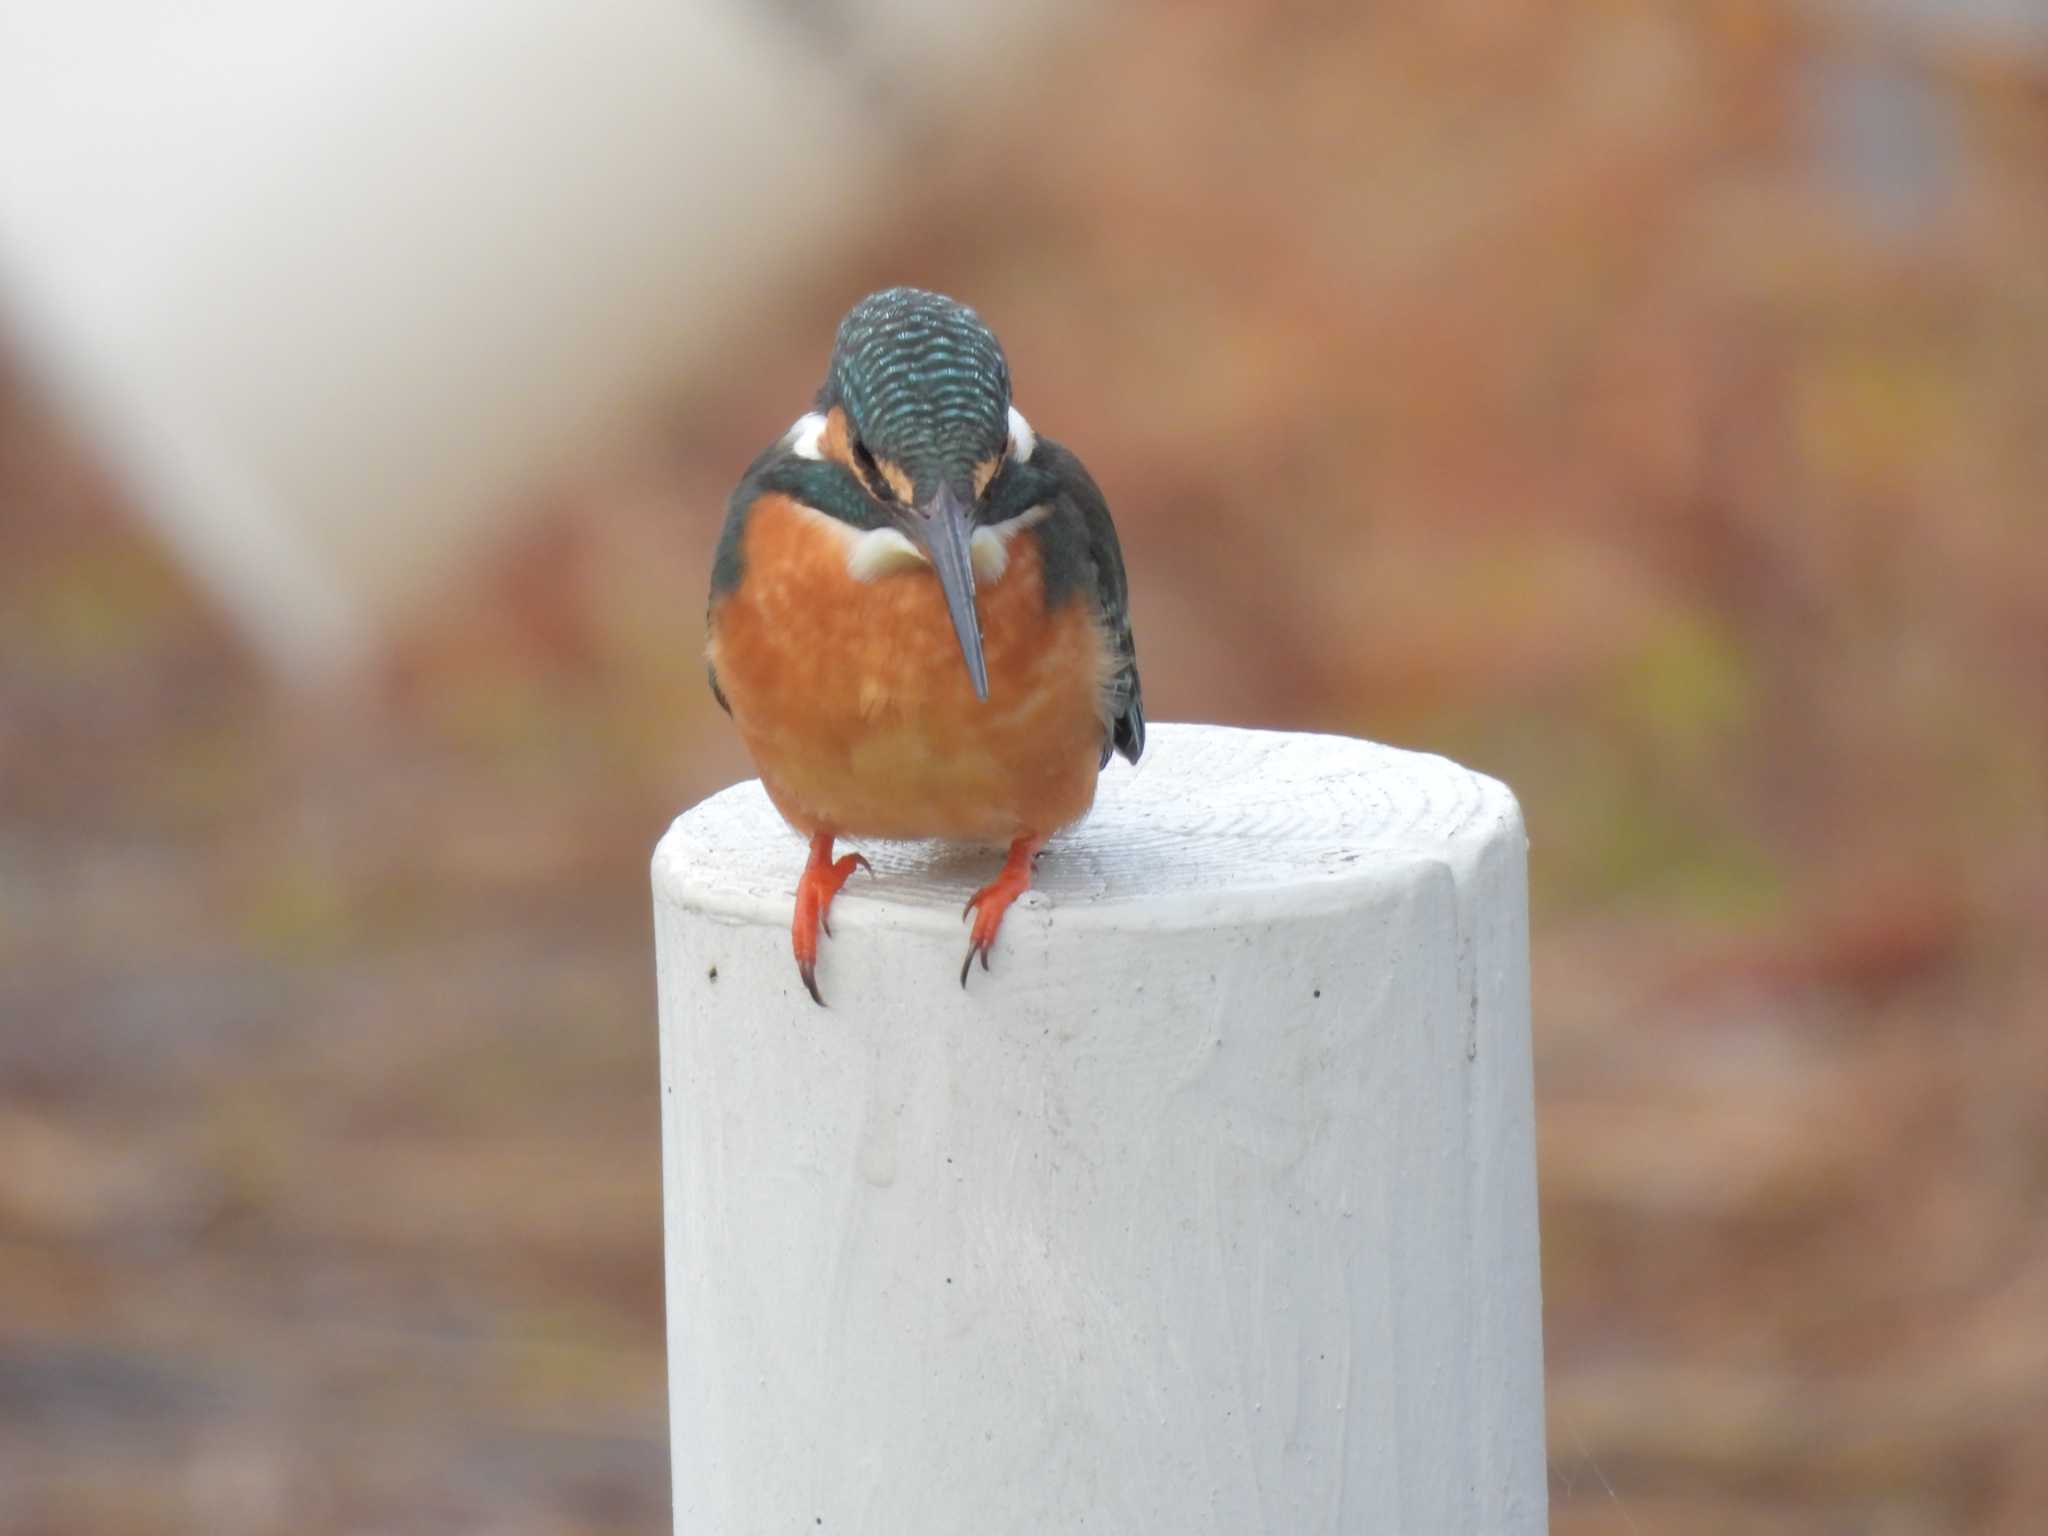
x,y
837,442
897,481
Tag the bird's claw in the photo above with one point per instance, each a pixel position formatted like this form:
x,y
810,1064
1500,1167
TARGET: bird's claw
x,y
976,948
821,881
988,905
842,872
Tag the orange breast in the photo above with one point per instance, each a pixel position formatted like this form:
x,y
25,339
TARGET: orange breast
x,y
855,703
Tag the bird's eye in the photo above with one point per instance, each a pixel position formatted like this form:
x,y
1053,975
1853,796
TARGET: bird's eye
x,y
870,471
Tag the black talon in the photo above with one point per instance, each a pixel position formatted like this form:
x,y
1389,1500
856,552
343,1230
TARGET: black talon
x,y
810,976
976,948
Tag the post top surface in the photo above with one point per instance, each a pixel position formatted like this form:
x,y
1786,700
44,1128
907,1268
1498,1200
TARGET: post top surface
x,y
1210,810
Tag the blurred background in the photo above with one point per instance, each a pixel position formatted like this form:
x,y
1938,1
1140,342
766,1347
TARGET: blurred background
x,y
1646,404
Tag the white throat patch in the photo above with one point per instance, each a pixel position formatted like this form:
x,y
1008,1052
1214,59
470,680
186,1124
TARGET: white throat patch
x,y
879,552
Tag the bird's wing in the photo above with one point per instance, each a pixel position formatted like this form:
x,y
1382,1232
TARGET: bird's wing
x,y
726,560
824,485
1081,558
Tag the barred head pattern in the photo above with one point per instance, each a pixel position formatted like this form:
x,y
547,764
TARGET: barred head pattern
x,y
924,382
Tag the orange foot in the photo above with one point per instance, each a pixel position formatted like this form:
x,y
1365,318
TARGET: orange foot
x,y
814,892
990,902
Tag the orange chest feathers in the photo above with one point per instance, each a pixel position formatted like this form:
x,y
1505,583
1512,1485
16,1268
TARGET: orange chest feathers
x,y
852,697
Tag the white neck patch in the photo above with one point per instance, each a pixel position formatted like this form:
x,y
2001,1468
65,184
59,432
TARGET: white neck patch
x,y
1022,439
990,547
877,552
806,438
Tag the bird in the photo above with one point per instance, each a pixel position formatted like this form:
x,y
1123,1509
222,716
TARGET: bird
x,y
919,618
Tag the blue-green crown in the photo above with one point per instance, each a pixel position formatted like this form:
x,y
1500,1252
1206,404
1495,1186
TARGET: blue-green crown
x,y
923,380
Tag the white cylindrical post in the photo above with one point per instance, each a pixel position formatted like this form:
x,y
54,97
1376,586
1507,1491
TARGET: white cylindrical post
x,y
1211,1208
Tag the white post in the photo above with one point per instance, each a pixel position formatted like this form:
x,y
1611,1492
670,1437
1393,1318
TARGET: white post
x,y
1210,1209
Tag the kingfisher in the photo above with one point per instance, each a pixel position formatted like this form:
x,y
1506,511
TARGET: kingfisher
x,y
919,619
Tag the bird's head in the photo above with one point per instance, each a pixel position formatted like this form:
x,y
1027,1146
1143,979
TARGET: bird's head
x,y
918,402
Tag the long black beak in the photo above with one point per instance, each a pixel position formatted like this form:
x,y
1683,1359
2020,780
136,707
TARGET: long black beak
x,y
942,528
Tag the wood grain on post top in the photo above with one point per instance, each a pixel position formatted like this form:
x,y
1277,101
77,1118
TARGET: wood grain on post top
x,y
1210,1209
1208,811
